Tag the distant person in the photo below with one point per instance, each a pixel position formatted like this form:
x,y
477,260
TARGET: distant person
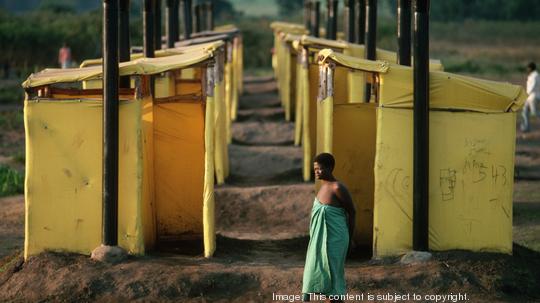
x,y
64,56
533,92
330,232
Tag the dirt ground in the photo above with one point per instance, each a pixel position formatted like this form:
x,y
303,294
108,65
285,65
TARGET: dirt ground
x,y
262,223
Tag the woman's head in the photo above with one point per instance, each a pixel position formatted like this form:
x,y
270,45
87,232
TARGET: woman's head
x,y
323,165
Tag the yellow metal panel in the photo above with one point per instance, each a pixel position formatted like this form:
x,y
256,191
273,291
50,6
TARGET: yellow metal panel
x,y
471,169
179,168
64,176
353,146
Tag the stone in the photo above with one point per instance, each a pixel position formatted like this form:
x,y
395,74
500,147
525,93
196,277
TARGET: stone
x,y
109,254
415,257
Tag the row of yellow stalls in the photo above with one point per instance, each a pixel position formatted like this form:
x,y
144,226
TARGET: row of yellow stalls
x,y
172,149
472,142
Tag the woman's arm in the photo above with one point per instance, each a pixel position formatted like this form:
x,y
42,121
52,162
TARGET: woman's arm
x,y
346,201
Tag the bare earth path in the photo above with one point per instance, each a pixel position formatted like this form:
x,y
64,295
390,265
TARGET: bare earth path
x,y
262,218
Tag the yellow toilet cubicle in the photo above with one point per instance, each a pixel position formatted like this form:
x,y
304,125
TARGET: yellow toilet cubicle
x,y
349,86
166,158
233,63
237,53
284,62
471,160
165,84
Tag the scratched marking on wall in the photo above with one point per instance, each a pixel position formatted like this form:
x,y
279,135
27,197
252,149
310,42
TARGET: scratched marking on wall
x,y
448,183
477,170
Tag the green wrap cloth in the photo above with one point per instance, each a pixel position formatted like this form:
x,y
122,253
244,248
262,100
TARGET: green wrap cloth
x,y
324,272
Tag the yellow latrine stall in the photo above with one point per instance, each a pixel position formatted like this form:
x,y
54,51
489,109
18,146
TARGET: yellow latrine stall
x,y
471,162
237,55
349,86
284,63
233,64
166,158
165,85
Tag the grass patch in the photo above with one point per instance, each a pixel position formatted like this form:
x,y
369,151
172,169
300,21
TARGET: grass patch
x,y
19,158
11,120
11,181
11,93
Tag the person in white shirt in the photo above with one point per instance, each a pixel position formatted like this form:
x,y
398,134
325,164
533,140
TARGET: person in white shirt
x,y
533,92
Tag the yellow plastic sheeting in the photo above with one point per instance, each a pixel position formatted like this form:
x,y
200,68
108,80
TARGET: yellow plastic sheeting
x,y
310,114
358,51
240,66
179,165
353,146
220,133
450,91
149,209
209,230
288,85
225,28
281,41
309,139
210,46
306,114
298,110
143,66
447,91
283,70
287,27
234,80
165,85
471,169
224,130
64,177
325,121
228,98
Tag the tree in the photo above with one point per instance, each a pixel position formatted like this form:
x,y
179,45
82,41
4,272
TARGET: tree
x,y
289,7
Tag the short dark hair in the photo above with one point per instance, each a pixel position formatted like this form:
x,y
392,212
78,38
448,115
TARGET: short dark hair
x,y
531,65
325,159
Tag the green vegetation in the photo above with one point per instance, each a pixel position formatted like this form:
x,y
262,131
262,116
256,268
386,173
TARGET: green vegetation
x,y
11,120
492,49
11,92
256,7
11,181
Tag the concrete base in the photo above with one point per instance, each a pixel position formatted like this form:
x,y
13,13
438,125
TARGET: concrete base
x,y
109,254
415,257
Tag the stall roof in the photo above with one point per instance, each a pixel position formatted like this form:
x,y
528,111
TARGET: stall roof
x,y
352,49
225,27
229,32
211,47
142,66
447,91
202,40
293,28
